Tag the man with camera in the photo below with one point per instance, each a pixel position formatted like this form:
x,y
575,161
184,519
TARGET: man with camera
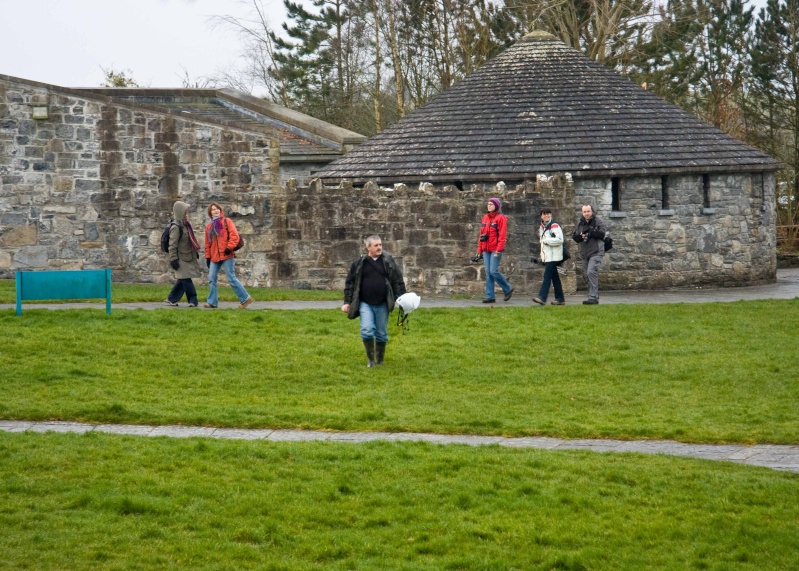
x,y
590,235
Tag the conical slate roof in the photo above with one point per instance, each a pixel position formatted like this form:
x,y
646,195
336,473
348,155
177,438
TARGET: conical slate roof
x,y
543,108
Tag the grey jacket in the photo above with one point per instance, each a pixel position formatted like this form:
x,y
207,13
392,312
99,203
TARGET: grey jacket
x,y
595,244
180,245
395,284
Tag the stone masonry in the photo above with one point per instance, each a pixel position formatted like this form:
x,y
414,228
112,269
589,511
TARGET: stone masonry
x,y
92,185
431,231
731,242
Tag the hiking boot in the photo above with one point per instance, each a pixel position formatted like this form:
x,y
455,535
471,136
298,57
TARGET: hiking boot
x,y
591,302
489,300
507,295
539,301
556,302
245,303
369,345
171,303
209,306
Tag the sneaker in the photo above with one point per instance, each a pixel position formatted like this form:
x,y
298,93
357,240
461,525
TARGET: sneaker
x,y
539,301
245,303
507,295
171,303
591,302
209,306
556,302
192,305
489,300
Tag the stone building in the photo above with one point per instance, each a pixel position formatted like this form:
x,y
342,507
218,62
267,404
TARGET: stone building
x,y
88,176
686,204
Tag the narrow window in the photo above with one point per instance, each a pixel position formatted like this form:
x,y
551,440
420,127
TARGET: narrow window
x,y
664,192
706,190
615,194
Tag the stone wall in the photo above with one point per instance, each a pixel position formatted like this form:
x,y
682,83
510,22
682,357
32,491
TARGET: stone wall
x,y
92,185
431,231
732,242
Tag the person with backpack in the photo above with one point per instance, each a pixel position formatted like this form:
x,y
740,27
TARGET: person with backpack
x,y
491,244
590,234
550,236
183,252
221,242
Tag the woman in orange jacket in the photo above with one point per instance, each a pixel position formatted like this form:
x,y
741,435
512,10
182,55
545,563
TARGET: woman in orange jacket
x,y
221,237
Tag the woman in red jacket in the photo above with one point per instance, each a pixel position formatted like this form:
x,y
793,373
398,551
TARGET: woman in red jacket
x,y
493,233
221,237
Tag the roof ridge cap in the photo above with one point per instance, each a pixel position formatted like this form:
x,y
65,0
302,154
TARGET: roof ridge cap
x,y
537,36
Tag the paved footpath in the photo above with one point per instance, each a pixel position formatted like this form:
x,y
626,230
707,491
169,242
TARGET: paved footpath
x,y
786,287
777,457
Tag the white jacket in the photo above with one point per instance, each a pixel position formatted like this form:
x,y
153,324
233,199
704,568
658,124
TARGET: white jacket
x,y
551,243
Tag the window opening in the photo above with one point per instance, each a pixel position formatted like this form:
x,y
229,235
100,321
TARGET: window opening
x,y
615,194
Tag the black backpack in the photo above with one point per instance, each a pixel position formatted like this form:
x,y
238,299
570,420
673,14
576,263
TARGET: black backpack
x,y
165,235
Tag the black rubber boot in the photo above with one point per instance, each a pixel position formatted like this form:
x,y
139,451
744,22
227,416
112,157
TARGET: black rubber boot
x,y
369,345
380,352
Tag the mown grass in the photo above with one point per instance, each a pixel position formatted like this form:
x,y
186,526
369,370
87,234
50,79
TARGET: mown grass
x,y
691,372
142,293
101,502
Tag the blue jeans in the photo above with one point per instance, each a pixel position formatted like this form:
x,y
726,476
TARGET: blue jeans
x,y
551,277
374,321
229,266
491,261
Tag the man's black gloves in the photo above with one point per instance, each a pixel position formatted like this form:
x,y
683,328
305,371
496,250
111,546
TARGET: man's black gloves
x,y
228,251
208,262
175,264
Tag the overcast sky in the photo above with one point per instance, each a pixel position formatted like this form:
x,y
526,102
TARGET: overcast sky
x,y
67,42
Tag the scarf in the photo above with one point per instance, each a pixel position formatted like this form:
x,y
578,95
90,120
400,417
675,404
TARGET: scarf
x,y
195,245
216,228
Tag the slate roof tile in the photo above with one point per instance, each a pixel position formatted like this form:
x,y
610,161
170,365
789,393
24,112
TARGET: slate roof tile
x,y
541,107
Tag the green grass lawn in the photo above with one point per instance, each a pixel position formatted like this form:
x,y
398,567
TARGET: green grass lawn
x,y
141,293
102,502
721,372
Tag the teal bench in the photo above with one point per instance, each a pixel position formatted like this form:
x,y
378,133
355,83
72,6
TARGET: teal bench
x,y
64,284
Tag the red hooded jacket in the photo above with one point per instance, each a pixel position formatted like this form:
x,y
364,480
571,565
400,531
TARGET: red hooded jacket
x,y
495,224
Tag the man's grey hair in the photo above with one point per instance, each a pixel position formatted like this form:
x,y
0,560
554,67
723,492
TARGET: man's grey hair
x,y
371,239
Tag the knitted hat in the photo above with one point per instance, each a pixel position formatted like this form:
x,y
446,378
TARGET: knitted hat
x,y
497,204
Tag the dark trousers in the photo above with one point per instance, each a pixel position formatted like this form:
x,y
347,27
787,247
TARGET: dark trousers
x,y
551,277
181,286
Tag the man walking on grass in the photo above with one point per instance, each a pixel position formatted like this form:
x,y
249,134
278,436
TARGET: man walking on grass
x,y
373,284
